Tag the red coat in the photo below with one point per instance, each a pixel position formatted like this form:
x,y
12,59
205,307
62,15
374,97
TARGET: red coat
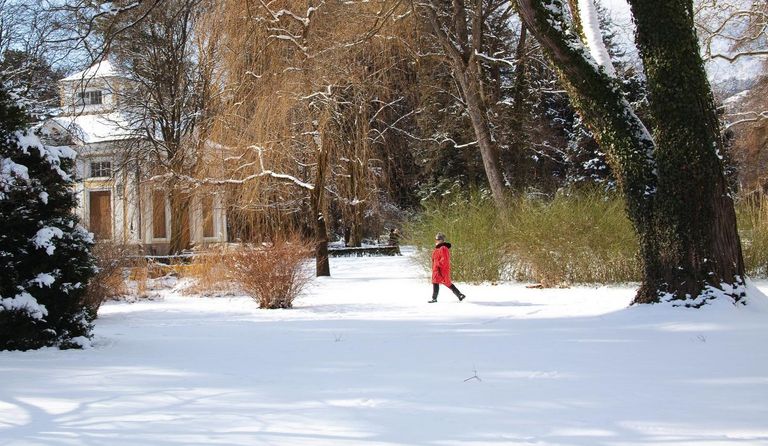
x,y
441,264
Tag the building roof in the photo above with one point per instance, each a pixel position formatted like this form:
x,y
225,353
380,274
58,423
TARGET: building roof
x,y
99,70
91,129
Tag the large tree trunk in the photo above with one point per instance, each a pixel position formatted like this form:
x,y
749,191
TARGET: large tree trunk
x,y
317,206
598,99
513,157
675,193
695,223
322,265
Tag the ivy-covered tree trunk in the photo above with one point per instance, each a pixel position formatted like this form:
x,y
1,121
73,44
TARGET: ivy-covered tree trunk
x,y
695,222
599,100
673,182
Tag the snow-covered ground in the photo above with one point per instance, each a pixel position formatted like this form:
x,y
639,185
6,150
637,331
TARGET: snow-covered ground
x,y
363,359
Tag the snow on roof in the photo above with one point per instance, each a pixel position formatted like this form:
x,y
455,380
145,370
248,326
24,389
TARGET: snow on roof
x,y
98,70
90,129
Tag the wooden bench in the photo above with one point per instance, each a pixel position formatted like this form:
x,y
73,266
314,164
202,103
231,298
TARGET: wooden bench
x,y
364,251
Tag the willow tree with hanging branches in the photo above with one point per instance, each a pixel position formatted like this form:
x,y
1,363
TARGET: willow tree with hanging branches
x,y
301,111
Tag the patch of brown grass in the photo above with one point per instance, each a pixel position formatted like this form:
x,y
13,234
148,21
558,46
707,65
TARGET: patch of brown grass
x,y
210,272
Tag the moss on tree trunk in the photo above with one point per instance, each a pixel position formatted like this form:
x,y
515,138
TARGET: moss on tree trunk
x,y
673,183
694,223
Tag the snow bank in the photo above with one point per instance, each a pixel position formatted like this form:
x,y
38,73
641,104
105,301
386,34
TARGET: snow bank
x,y
363,359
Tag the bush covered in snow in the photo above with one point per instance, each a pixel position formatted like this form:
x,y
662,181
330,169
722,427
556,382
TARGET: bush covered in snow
x,y
45,261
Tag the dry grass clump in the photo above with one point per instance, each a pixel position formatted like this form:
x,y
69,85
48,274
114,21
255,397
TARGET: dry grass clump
x,y
210,272
117,265
272,274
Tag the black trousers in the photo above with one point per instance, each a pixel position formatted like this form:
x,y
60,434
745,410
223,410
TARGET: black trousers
x,y
436,289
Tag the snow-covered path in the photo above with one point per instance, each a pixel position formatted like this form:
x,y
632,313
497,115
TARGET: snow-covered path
x,y
364,360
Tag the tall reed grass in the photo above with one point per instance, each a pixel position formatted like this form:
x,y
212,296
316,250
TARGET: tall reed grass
x,y
472,226
581,237
752,215
577,238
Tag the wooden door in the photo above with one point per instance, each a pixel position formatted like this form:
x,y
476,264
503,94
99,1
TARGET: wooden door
x,y
207,205
158,215
101,214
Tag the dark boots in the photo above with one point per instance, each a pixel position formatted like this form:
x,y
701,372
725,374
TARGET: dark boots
x,y
436,289
457,292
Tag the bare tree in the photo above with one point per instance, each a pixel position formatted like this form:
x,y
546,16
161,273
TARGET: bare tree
x,y
297,123
461,29
733,29
165,99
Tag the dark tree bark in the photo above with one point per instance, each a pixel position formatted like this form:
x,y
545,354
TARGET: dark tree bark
x,y
673,187
322,265
317,207
695,221
513,156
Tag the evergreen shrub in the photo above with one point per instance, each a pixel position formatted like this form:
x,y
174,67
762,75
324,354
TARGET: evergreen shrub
x,y
45,259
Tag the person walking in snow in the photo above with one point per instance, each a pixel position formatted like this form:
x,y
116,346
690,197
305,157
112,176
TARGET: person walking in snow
x,y
441,268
